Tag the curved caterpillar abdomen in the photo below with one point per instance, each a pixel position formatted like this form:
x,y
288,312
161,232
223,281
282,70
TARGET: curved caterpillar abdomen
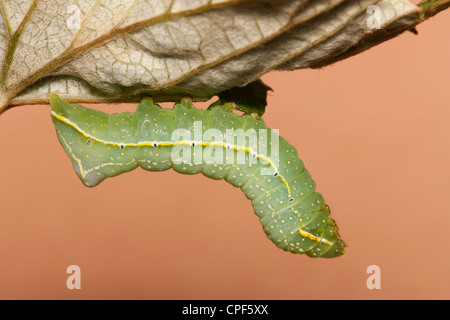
x,y
191,141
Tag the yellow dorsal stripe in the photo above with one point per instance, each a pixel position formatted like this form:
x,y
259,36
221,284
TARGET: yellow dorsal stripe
x,y
313,237
168,143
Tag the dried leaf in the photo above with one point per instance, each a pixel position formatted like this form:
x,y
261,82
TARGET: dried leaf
x,y
117,50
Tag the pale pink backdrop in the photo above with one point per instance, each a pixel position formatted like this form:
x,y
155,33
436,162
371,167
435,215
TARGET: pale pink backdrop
x,y
374,133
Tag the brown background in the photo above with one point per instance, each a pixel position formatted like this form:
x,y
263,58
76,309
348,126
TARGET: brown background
x,y
372,130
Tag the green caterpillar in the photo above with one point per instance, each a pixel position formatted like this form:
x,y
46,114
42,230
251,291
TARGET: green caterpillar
x,y
216,142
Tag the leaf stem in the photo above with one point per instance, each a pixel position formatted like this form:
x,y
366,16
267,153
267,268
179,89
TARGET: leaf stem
x,y
4,105
432,7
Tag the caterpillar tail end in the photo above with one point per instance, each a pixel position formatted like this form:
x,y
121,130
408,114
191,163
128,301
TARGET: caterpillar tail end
x,y
336,250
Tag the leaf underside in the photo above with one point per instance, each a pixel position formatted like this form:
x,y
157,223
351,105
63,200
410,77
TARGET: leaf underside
x,y
120,50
